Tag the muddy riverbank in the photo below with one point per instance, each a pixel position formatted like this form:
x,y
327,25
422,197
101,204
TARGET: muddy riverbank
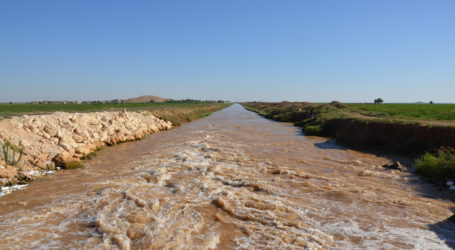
x,y
233,180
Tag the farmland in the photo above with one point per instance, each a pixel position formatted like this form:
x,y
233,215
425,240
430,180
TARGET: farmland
x,y
28,108
406,111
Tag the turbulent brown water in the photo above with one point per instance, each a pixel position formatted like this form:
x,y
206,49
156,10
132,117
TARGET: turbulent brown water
x,y
230,181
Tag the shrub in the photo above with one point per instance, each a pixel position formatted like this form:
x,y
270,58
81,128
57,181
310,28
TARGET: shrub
x,y
312,130
437,166
174,120
337,104
12,154
72,164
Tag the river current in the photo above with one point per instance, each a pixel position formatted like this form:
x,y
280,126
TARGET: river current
x,y
233,180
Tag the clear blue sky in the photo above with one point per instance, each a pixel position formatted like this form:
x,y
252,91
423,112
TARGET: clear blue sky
x,y
271,50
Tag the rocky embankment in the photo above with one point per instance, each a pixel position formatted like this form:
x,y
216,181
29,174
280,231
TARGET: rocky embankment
x,y
50,141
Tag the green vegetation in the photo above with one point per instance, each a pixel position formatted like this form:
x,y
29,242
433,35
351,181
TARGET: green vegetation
x,y
28,108
387,127
12,154
72,164
311,117
439,166
317,118
312,129
406,111
89,156
182,114
378,101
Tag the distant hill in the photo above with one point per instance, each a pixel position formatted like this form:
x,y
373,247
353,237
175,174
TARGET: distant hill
x,y
146,98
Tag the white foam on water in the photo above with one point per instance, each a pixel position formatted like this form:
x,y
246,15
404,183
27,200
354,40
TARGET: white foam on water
x,y
8,189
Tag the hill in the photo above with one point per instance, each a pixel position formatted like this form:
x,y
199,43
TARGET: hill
x,y
146,98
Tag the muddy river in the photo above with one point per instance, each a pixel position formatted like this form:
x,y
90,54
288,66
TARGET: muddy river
x,y
233,180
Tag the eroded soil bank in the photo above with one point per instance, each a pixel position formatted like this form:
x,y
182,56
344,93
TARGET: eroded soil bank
x,y
408,136
231,181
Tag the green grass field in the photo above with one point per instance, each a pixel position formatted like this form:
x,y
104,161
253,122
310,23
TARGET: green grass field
x,y
406,111
25,108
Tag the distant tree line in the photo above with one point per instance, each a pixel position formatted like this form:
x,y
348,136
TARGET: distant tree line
x,y
194,101
121,101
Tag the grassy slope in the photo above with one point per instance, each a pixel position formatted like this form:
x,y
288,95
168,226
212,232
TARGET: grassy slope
x,y
181,114
391,132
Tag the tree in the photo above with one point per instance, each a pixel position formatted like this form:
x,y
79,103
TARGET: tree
x,y
378,101
431,102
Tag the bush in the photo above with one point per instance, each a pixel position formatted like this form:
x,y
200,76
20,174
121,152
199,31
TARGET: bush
x,y
72,164
312,130
337,104
439,166
174,120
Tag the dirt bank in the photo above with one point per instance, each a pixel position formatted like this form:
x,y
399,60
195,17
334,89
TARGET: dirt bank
x,y
405,136
412,139
51,140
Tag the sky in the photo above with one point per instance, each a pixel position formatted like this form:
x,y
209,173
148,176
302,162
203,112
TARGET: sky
x,y
238,50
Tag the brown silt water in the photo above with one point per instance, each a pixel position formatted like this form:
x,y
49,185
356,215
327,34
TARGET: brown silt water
x,y
233,180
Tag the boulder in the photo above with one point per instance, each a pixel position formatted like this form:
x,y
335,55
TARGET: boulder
x,y
73,118
67,139
7,172
67,147
78,138
60,133
41,161
78,131
51,130
396,165
25,176
50,165
82,150
61,158
54,140
25,143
